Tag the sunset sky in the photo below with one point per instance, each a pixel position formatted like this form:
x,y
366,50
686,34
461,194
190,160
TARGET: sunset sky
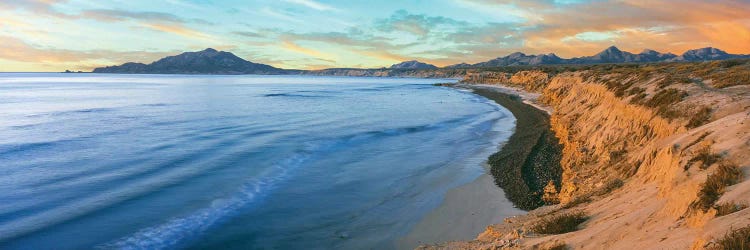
x,y
54,35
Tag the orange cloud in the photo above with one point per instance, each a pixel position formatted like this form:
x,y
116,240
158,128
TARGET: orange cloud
x,y
16,50
290,46
383,55
662,25
178,30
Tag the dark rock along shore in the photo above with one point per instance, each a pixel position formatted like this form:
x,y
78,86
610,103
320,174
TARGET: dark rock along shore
x,y
531,156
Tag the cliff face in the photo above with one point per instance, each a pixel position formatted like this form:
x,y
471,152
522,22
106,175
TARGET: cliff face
x,y
598,131
649,160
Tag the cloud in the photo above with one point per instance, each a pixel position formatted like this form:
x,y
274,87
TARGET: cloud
x,y
14,49
313,5
291,46
281,15
419,25
384,55
111,15
38,7
177,29
551,25
576,28
248,34
157,21
349,39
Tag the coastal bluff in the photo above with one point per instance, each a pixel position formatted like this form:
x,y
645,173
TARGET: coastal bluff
x,y
654,156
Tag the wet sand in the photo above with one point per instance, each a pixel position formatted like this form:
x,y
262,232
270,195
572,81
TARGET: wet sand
x,y
465,212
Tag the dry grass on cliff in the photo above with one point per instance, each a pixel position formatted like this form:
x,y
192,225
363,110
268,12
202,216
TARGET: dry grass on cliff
x,y
705,156
729,208
664,100
726,175
735,239
701,117
607,188
559,224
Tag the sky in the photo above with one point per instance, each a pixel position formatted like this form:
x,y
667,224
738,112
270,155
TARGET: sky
x,y
54,35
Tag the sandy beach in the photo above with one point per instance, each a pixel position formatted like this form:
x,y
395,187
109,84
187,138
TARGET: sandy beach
x,y
465,212
468,209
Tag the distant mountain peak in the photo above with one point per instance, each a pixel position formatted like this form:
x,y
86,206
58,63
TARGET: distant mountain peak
x,y
459,65
208,61
707,54
707,50
613,48
519,58
413,64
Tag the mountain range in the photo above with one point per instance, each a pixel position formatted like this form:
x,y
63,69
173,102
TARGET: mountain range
x,y
211,61
609,55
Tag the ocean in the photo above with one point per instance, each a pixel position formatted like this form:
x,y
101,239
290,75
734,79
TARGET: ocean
x,y
232,162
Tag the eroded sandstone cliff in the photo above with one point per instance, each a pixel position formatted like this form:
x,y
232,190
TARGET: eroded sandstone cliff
x,y
653,157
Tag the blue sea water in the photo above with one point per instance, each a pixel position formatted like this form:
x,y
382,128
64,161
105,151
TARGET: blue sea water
x,y
232,162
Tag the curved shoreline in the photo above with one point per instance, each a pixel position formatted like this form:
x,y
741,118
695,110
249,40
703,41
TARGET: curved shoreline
x,y
514,183
530,159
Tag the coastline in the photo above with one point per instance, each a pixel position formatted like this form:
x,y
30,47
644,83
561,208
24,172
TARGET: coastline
x,y
532,99
530,158
520,167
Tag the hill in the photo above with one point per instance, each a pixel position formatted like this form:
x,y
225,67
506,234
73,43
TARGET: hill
x,y
413,65
208,61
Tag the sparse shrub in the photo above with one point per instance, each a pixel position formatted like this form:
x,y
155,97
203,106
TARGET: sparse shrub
x,y
731,77
617,155
618,83
664,100
559,224
636,90
666,97
609,186
578,200
728,208
731,63
706,157
735,239
638,99
699,139
701,117
672,79
726,175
